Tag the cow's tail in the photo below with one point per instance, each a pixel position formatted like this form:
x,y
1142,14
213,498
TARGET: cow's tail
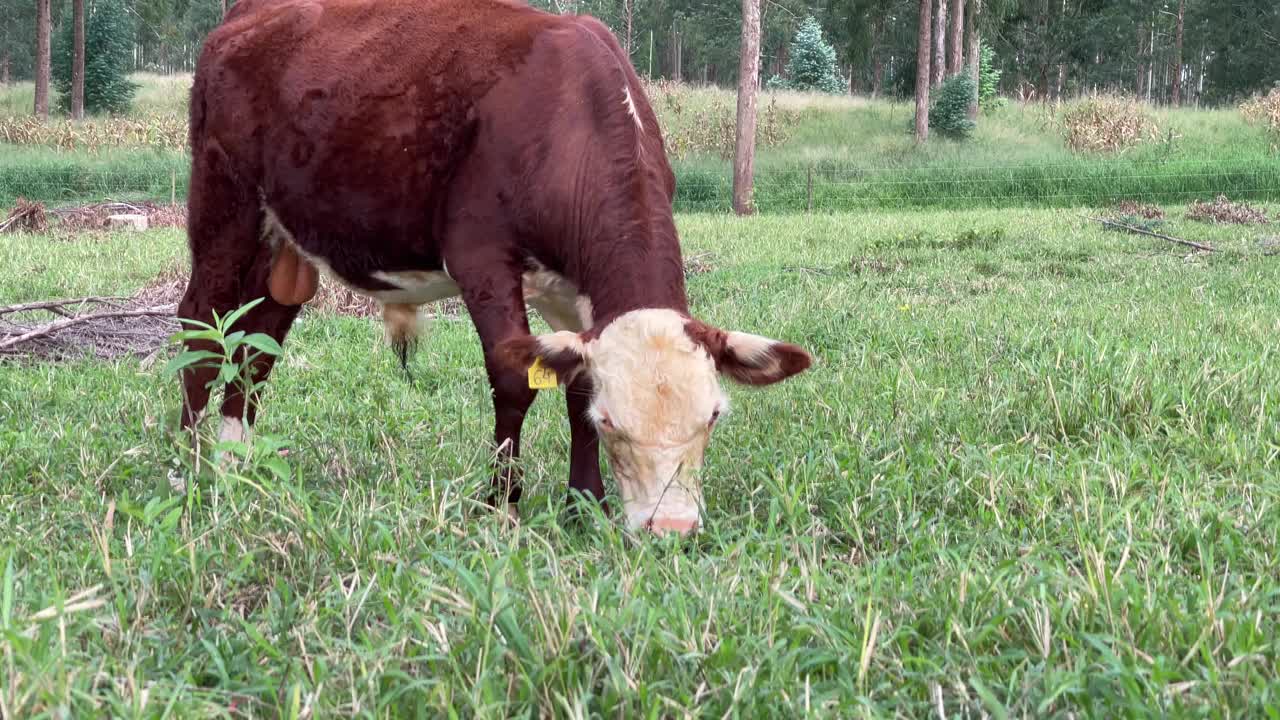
x,y
403,328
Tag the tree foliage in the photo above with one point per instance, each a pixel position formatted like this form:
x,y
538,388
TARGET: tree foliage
x,y
988,78
108,42
1041,49
812,65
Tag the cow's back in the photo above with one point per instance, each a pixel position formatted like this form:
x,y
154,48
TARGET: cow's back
x,y
351,115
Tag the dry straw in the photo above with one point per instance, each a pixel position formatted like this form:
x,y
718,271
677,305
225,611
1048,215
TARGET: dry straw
x,y
1108,124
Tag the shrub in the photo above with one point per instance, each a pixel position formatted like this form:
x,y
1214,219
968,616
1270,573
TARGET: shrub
x,y
813,61
108,50
949,114
1107,124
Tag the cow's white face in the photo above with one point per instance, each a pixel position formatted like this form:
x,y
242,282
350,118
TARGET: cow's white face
x,y
657,397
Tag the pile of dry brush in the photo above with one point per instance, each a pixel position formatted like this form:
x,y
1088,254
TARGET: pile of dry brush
x,y
1110,124
1264,110
712,129
34,217
1223,211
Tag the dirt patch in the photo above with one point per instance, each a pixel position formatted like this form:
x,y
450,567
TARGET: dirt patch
x,y
859,265
1225,212
1135,209
698,263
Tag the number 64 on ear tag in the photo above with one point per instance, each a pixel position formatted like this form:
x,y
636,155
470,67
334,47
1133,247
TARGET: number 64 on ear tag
x,y
541,377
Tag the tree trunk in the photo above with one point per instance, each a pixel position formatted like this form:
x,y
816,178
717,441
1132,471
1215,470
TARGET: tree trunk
x,y
744,157
42,59
4,68
877,57
627,6
77,63
974,54
1151,58
1176,90
939,67
1142,71
924,50
955,56
679,57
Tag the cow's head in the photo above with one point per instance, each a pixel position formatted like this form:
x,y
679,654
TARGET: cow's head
x,y
657,396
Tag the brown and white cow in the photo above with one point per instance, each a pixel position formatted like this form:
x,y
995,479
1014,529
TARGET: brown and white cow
x,y
420,149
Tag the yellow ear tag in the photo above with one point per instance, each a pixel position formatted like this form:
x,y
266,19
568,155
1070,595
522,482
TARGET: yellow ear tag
x,y
542,377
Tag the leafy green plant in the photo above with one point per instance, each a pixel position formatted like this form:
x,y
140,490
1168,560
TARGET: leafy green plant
x,y
108,46
988,79
812,66
949,115
230,344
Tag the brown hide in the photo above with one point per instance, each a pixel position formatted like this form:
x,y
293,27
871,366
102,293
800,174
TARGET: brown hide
x,y
377,129
390,138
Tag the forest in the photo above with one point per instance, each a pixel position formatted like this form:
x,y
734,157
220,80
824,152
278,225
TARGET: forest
x,y
1175,52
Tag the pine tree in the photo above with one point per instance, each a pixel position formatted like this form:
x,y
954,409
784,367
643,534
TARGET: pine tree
x,y
108,42
813,61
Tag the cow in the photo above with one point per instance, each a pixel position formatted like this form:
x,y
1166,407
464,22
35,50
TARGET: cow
x,y
415,150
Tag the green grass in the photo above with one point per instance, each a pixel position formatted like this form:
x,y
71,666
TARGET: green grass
x,y
841,154
65,177
1033,473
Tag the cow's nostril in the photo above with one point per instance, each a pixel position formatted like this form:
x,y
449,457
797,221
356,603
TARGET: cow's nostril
x,y
684,526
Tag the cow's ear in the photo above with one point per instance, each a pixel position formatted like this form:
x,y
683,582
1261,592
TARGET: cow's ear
x,y
750,359
563,352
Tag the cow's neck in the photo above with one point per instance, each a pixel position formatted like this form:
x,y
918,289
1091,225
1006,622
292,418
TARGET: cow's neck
x,y
637,270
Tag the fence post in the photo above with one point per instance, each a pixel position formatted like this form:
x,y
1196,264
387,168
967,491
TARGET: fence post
x,y
173,187
811,188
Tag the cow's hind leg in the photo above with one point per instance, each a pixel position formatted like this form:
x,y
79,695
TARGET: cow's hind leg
x,y
230,266
240,411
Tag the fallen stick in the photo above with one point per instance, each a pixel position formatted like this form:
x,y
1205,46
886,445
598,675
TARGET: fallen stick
x,y
54,305
54,327
1144,231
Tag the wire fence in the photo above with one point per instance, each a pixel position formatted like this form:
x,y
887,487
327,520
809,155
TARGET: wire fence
x,y
813,188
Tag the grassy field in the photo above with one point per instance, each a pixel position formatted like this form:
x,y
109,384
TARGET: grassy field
x,y
836,153
1032,473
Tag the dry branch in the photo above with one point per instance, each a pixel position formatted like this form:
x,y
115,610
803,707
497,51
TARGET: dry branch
x,y
28,216
1143,231
59,306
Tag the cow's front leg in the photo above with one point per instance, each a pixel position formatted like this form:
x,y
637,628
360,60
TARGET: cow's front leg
x,y
495,302
584,456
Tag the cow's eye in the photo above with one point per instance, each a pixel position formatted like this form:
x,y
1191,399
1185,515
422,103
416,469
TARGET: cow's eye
x,y
714,417
605,422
